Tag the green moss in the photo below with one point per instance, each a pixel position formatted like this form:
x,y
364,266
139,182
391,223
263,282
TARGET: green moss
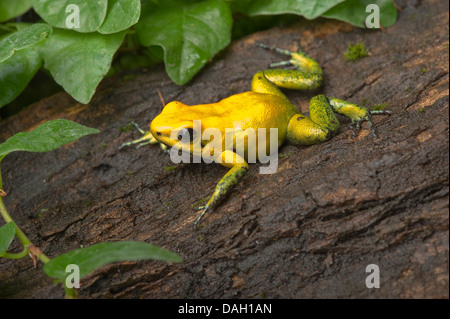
x,y
42,211
286,154
363,102
126,128
424,70
129,76
356,52
200,202
421,110
129,173
170,168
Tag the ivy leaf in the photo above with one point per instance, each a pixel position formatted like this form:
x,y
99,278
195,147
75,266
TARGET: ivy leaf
x,y
351,11
91,13
11,9
91,258
16,73
46,137
7,233
78,62
190,33
121,15
354,12
23,39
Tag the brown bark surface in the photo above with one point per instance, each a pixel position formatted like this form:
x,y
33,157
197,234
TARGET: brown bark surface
x,y
308,231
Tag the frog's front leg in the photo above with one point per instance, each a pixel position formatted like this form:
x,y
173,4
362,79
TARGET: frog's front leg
x,y
238,167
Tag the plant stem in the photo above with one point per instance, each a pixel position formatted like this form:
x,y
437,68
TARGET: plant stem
x,y
21,235
22,254
28,247
23,238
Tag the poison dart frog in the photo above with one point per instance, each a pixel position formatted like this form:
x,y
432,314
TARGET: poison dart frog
x,y
265,106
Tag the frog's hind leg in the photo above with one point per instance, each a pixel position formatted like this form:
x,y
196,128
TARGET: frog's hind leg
x,y
323,124
319,127
307,76
357,114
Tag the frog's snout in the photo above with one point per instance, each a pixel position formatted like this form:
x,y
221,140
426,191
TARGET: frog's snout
x,y
154,129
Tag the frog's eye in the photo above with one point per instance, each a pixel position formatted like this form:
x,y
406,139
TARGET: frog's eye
x,y
187,134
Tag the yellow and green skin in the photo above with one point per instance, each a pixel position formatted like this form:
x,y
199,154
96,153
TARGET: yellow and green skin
x,y
265,106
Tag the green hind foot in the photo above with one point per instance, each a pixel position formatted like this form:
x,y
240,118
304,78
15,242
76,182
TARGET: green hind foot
x,y
356,124
357,114
298,59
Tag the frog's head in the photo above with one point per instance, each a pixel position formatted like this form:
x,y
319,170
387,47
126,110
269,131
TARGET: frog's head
x,y
173,124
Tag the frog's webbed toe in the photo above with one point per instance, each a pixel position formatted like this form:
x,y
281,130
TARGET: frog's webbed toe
x,y
146,139
286,63
355,125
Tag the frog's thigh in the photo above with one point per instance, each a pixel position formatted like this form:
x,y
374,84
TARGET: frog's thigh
x,y
321,113
294,79
319,127
238,167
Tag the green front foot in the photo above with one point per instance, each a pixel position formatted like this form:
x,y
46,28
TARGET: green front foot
x,y
146,139
204,209
224,186
357,114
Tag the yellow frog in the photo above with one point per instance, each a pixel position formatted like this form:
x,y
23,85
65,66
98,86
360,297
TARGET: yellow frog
x,y
264,107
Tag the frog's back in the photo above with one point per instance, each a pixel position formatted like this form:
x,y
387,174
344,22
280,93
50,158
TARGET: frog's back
x,y
256,110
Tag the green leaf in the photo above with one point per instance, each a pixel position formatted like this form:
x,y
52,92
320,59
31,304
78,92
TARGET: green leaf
x,y
23,39
16,73
46,137
91,258
121,15
190,33
310,9
354,12
351,11
91,13
11,9
78,62
7,233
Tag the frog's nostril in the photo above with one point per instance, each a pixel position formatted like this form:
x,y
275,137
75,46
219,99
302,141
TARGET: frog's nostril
x,y
158,133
